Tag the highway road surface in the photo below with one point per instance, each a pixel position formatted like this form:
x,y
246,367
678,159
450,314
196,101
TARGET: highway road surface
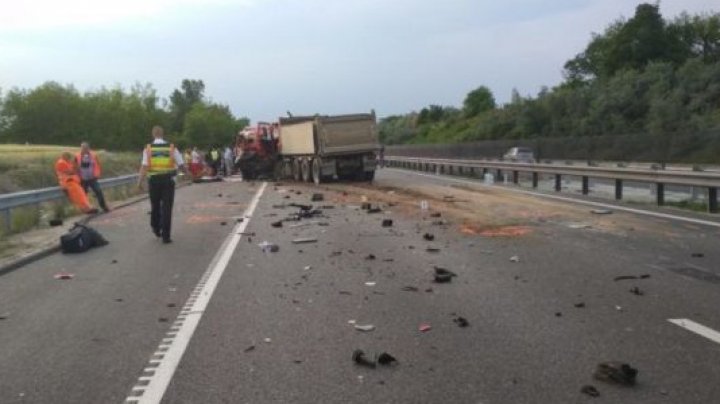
x,y
215,318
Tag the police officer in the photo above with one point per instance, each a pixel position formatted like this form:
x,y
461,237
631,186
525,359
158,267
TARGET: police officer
x,y
160,163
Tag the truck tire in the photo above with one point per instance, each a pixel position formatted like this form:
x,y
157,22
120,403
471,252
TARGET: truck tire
x,y
296,169
316,177
305,170
278,170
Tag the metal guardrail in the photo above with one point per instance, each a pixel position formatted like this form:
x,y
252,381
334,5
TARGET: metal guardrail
x,y
709,180
8,202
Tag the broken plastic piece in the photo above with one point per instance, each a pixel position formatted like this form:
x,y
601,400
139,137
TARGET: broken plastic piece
x,y
435,214
317,197
269,247
250,348
277,224
304,240
64,275
370,257
409,289
387,223
601,211
428,237
386,359
365,327
580,305
514,258
461,322
636,291
616,372
374,210
359,357
369,283
590,390
424,327
697,255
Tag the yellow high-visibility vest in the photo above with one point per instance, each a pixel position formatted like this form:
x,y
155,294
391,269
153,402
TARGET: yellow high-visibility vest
x,y
160,158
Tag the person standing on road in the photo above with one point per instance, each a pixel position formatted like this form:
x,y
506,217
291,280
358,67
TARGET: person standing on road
x,y
69,180
89,167
229,161
160,163
195,164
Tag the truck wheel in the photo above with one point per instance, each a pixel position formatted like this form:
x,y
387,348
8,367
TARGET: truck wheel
x,y
278,171
305,170
316,177
296,170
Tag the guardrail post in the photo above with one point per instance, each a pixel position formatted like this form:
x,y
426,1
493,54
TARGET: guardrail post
x,y
712,200
8,221
516,178
499,176
472,171
585,185
535,180
618,189
660,194
558,182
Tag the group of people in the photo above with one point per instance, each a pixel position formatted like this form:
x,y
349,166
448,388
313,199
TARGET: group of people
x,y
212,163
78,173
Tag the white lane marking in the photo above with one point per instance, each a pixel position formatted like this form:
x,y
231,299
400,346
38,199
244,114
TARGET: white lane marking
x,y
699,329
572,200
163,370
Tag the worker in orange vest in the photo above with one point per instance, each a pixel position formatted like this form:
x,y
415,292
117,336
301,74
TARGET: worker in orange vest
x,y
89,168
69,180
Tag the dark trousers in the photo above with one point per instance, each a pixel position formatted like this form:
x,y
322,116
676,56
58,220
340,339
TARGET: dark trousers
x,y
162,196
95,186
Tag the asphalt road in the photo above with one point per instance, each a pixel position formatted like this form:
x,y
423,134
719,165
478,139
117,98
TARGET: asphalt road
x,y
212,318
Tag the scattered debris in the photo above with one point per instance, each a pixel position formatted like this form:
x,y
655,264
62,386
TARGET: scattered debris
x,y
306,240
277,224
365,206
370,257
249,349
514,258
436,214
601,212
424,205
616,372
580,305
171,305
114,261
387,223
424,327
239,219
359,357
301,207
507,231
267,340
579,226
317,197
443,275
386,359
409,289
558,314
119,300
618,308
370,283
307,268
345,292
461,322
374,210
697,255
428,237
269,247
364,327
163,320
636,291
64,275
223,223
590,390
433,250
4,316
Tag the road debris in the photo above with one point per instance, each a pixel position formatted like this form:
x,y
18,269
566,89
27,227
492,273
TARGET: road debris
x,y
364,327
4,316
436,214
409,289
580,305
432,250
64,276
370,257
370,283
317,197
387,223
636,291
601,212
359,358
269,247
443,275
616,372
374,210
365,206
249,349
428,237
461,322
163,320
558,314
306,240
697,255
386,359
514,258
267,340
424,327
277,224
630,277
590,390
424,205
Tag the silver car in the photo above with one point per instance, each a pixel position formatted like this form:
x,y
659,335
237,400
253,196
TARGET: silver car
x,y
520,155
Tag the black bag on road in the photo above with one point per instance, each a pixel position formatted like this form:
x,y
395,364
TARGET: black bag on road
x,y
80,239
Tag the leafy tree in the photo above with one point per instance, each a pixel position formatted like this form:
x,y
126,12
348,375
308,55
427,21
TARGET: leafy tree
x,y
183,100
477,101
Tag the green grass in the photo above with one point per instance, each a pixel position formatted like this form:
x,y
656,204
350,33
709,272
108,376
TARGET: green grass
x,y
30,167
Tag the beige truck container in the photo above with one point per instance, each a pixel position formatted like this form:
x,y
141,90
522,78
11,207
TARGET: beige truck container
x,y
320,148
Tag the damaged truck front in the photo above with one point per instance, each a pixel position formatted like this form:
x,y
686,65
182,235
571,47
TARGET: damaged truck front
x,y
320,148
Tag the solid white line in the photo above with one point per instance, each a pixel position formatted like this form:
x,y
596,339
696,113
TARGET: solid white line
x,y
699,329
572,200
155,389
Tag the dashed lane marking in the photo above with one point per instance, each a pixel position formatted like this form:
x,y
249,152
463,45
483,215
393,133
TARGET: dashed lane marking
x,y
152,384
572,200
697,328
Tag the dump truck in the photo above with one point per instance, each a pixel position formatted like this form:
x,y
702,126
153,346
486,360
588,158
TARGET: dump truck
x,y
320,148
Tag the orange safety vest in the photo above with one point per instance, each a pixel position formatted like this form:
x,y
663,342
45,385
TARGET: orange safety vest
x,y
95,163
65,172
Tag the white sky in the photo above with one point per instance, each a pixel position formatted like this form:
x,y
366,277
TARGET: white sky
x,y
264,57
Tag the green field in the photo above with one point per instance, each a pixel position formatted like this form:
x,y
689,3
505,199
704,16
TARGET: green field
x,y
24,167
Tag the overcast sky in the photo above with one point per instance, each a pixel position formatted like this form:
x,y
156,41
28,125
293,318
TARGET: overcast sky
x,y
264,57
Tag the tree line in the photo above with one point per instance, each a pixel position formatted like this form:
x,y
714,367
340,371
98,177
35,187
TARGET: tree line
x,y
644,75
114,119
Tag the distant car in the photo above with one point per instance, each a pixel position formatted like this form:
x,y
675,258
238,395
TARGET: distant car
x,y
520,155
